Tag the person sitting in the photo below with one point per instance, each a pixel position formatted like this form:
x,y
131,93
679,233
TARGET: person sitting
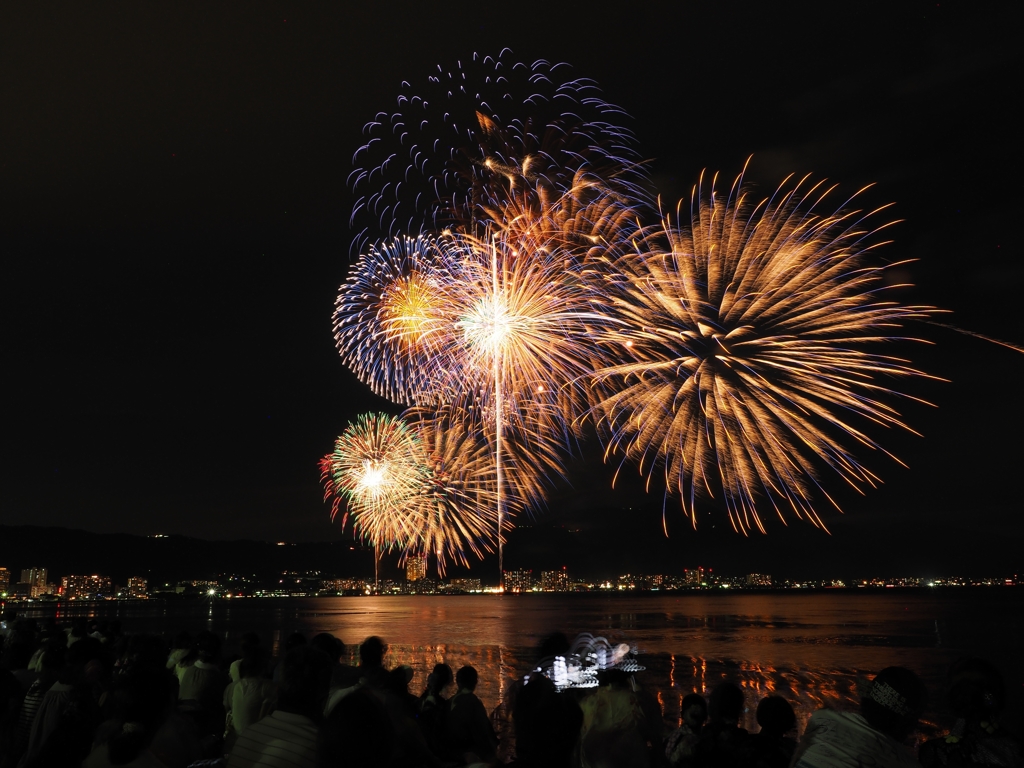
x,y
51,665
202,685
249,699
681,743
547,724
889,711
141,704
69,713
433,707
371,673
976,698
620,723
398,688
371,663
182,653
249,642
772,748
468,728
287,738
724,744
294,640
357,732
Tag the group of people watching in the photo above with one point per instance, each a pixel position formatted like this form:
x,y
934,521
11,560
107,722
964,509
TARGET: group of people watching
x,y
88,695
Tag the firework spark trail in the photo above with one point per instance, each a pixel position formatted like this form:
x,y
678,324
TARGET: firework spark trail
x,y
473,135
745,351
976,335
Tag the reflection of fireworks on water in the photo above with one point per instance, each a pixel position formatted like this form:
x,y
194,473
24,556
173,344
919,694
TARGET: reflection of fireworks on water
x,y
470,135
374,470
747,335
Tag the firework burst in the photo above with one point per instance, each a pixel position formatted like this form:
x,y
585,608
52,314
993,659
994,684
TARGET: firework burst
x,y
749,350
525,314
392,325
458,492
476,133
373,471
421,483
492,322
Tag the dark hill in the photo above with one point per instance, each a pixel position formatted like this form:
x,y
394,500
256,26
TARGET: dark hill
x,y
66,551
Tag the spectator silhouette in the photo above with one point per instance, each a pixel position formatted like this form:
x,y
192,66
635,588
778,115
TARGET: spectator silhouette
x,y
433,708
680,746
250,698
724,744
889,710
469,730
772,748
288,736
976,697
547,725
201,685
358,732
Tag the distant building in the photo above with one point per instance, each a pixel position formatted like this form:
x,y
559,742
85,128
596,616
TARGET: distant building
x,y
21,591
416,567
554,581
86,587
36,580
518,581
695,577
466,585
345,585
759,580
137,587
5,581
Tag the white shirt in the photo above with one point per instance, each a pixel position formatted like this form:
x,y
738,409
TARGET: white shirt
x,y
845,740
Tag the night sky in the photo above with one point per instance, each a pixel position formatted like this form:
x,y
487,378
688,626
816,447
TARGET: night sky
x,y
174,227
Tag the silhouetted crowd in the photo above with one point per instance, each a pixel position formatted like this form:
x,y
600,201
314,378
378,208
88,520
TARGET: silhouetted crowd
x,y
90,695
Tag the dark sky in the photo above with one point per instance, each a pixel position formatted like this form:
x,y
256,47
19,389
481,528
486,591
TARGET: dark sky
x,y
174,227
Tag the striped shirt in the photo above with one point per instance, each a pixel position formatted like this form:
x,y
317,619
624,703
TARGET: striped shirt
x,y
280,740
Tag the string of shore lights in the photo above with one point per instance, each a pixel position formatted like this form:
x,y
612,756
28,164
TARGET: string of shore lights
x,y
518,288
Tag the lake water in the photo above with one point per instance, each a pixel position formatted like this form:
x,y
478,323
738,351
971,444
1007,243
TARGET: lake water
x,y
808,647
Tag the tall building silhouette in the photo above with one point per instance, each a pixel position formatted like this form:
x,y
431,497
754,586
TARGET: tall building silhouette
x,y
35,578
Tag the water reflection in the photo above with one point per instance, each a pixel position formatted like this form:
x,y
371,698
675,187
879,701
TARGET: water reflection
x,y
809,648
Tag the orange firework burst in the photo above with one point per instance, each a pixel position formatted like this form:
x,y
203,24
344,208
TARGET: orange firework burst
x,y
749,346
458,491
